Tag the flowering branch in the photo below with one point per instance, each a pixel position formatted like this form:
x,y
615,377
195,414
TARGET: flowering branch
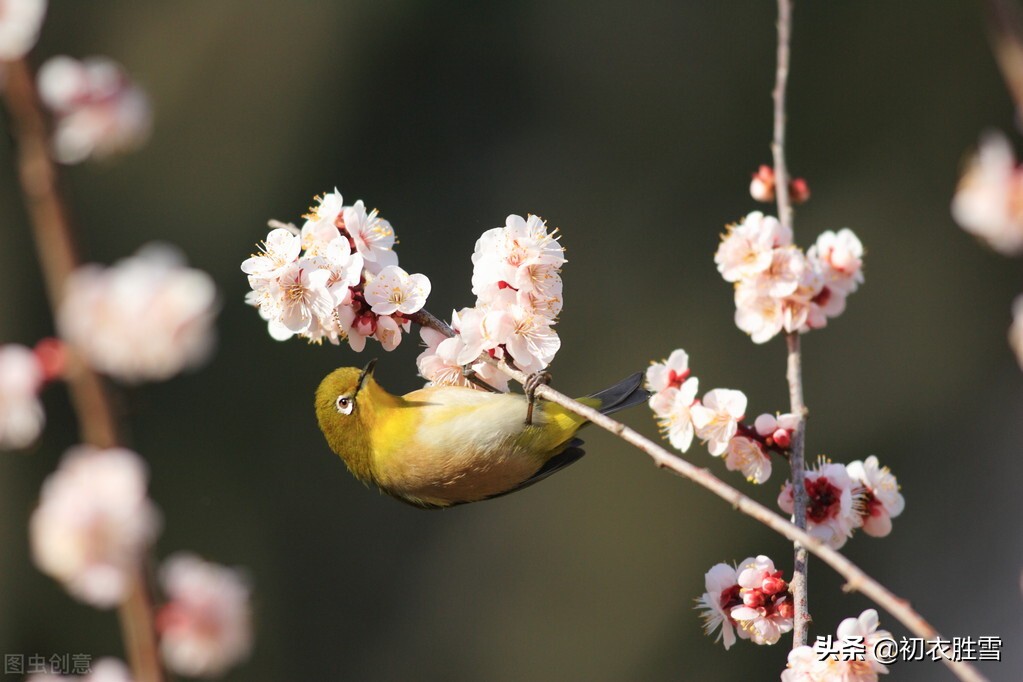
x,y
58,256
794,372
856,579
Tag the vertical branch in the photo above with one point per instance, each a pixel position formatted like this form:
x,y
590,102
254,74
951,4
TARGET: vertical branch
x,y
58,257
794,366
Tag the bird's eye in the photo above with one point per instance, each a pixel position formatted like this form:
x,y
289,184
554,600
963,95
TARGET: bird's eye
x,y
345,404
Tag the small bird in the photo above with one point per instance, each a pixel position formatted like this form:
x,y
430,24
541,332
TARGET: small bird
x,y
445,445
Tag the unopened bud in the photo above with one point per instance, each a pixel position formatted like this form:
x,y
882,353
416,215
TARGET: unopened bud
x,y
799,191
782,438
761,188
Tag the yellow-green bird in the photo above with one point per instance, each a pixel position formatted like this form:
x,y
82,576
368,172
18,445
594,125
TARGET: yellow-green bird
x,y
446,445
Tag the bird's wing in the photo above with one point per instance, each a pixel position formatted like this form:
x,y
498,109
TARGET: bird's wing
x,y
570,455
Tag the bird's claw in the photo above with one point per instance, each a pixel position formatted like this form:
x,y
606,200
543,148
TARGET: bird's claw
x,y
533,382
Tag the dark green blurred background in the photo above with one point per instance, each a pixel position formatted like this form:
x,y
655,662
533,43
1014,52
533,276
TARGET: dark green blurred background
x,y
634,127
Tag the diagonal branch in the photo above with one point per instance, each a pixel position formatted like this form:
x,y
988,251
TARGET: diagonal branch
x,y
856,579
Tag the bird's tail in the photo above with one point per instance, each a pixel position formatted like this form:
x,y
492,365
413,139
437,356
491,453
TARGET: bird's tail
x,y
626,393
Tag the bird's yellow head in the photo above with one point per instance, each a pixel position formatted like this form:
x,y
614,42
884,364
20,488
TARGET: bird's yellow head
x,y
348,403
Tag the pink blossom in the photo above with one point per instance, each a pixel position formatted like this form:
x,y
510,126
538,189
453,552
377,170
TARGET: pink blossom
x,y
206,625
747,250
880,499
146,318
99,111
988,202
20,21
766,611
831,513
1016,329
748,456
21,412
717,418
722,595
93,523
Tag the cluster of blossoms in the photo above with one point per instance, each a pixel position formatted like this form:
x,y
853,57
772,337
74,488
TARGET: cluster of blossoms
x,y
717,419
146,318
842,498
752,600
20,21
518,298
838,663
989,204
23,373
336,278
98,111
777,286
91,530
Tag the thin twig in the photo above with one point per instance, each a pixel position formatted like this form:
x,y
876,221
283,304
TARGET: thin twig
x,y
58,256
856,579
799,585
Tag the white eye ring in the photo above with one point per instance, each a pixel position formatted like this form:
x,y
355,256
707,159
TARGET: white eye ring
x,y
345,404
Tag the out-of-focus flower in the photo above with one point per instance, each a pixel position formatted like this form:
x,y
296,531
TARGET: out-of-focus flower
x,y
103,670
831,510
722,595
21,412
669,373
748,456
988,202
99,111
881,500
206,625
766,611
841,661
717,418
93,523
20,21
146,318
762,187
1016,329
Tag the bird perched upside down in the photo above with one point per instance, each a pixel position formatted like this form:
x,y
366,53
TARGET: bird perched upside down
x,y
446,445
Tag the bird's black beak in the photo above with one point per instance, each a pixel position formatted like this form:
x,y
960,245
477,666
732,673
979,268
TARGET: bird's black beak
x,y
367,371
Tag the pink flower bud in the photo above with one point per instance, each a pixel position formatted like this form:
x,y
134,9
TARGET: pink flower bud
x,y
761,188
52,357
753,598
782,438
799,191
774,585
785,609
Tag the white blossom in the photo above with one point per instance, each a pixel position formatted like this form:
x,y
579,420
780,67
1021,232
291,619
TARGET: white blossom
x,y
831,512
882,500
717,418
393,290
20,21
21,412
99,112
93,523
206,625
146,318
988,202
